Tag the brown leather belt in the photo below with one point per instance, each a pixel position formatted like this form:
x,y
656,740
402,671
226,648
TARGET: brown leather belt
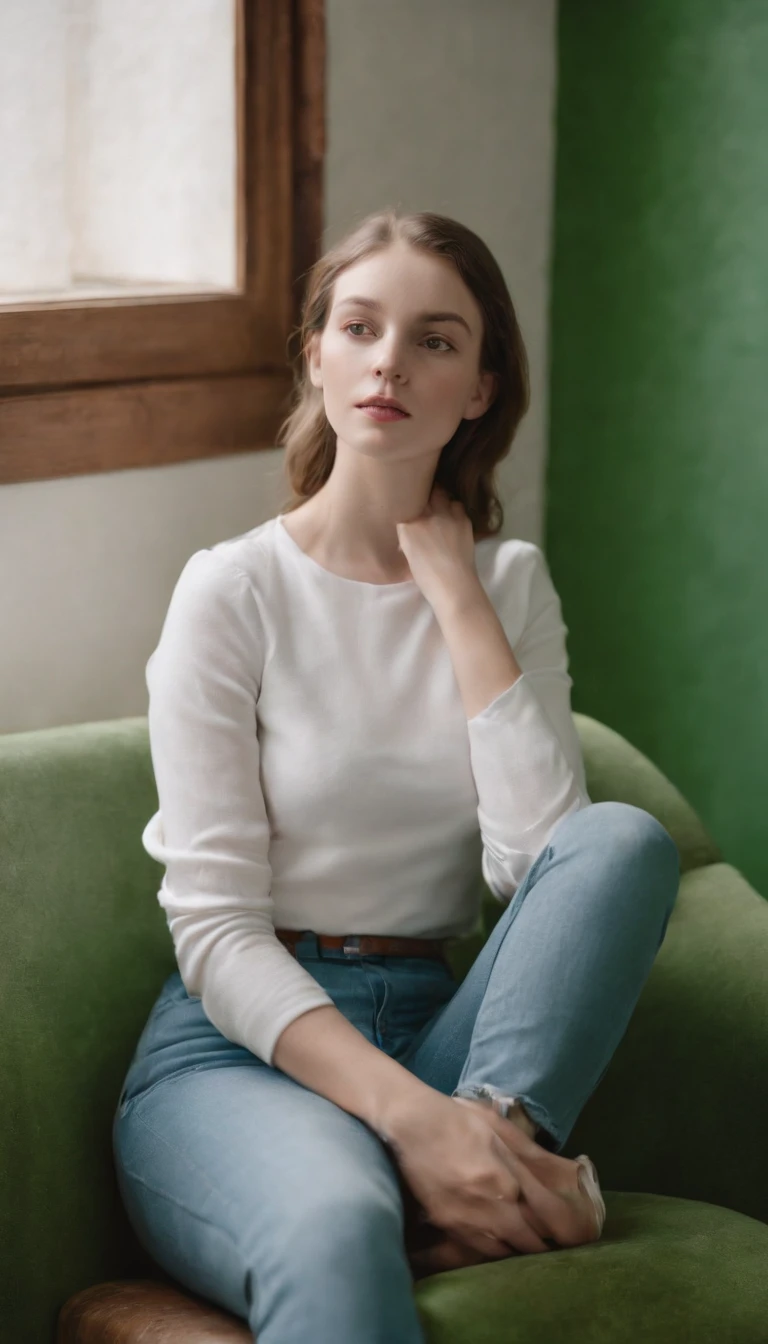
x,y
368,944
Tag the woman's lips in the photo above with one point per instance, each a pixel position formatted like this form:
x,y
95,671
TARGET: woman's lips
x,y
383,412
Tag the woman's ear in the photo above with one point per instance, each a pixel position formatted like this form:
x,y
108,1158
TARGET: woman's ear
x,y
483,396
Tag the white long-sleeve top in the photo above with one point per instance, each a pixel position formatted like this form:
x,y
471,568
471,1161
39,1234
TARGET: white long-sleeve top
x,y
315,767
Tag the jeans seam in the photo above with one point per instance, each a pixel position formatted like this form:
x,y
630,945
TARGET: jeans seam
x,y
164,1194
249,1294
516,904
510,915
124,1106
381,1021
178,1154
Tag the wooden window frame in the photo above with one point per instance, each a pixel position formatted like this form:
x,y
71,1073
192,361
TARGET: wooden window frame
x,y
109,384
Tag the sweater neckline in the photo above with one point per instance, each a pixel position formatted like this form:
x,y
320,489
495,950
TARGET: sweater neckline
x,y
287,540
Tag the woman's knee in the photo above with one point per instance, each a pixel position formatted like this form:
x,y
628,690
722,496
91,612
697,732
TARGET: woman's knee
x,y
620,833
629,827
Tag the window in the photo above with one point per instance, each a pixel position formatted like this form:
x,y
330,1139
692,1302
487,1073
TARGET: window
x,y
163,200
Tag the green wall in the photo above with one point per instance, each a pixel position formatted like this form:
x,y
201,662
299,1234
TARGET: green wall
x,y
657,516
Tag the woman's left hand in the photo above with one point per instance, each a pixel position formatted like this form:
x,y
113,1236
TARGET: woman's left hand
x,y
439,546
447,1254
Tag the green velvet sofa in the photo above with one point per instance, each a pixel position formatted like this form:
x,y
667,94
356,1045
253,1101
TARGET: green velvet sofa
x,y
678,1127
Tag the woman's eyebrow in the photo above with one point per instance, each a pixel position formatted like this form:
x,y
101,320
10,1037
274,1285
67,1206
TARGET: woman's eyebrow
x,y
420,317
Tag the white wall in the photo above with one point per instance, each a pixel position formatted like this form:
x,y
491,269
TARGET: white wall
x,y
441,105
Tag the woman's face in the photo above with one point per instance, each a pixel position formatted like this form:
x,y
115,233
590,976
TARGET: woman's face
x,y
420,344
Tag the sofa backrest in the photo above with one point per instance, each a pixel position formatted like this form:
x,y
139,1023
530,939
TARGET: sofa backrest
x,y
85,948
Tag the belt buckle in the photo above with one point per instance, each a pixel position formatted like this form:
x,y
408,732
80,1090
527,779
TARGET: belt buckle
x,y
354,940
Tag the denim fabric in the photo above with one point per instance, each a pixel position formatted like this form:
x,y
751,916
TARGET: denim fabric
x,y
272,1201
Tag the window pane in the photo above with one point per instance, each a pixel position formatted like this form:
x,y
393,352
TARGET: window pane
x,y
35,242
118,126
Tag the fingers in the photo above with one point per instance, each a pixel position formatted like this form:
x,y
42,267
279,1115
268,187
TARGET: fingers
x,y
560,1216
513,1136
512,1164
487,1244
549,1214
505,1224
511,1225
511,1232
519,1233
475,1246
449,1254
533,1220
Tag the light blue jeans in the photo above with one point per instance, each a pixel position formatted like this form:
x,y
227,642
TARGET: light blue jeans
x,y
275,1203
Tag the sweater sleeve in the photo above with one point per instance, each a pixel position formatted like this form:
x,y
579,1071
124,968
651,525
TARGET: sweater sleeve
x,y
524,748
212,831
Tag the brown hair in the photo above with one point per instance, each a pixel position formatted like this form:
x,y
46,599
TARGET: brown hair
x,y
468,461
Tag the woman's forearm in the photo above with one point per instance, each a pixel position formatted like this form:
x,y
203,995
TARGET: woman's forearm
x,y
483,661
325,1052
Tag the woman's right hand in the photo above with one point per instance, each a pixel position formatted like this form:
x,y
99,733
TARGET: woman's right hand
x,y
464,1176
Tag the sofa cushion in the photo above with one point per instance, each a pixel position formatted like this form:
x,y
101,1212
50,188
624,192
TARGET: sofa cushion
x,y
665,1270
682,1108
617,771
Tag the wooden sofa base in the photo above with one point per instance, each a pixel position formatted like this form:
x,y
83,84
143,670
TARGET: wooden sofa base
x,y
141,1311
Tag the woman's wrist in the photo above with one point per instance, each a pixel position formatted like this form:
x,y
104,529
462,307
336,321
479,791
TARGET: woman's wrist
x,y
405,1112
325,1052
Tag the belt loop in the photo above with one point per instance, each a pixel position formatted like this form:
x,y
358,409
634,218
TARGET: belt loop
x,y
307,943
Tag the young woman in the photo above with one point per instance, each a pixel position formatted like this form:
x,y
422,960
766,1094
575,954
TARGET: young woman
x,y
356,708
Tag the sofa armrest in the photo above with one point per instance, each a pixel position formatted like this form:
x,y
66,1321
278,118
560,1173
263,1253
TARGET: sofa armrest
x,y
683,1107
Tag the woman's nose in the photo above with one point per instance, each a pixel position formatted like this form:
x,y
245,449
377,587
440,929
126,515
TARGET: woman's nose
x,y
388,365
390,357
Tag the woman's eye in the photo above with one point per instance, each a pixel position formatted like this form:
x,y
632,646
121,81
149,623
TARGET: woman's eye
x,y
442,339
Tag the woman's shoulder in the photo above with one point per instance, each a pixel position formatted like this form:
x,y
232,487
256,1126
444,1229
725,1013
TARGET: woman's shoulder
x,y
223,567
225,584
500,559
516,576
251,552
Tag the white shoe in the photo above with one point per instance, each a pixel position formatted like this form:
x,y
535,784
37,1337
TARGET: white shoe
x,y
590,1185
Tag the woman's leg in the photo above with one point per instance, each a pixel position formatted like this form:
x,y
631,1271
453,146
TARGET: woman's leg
x,y
258,1193
548,999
